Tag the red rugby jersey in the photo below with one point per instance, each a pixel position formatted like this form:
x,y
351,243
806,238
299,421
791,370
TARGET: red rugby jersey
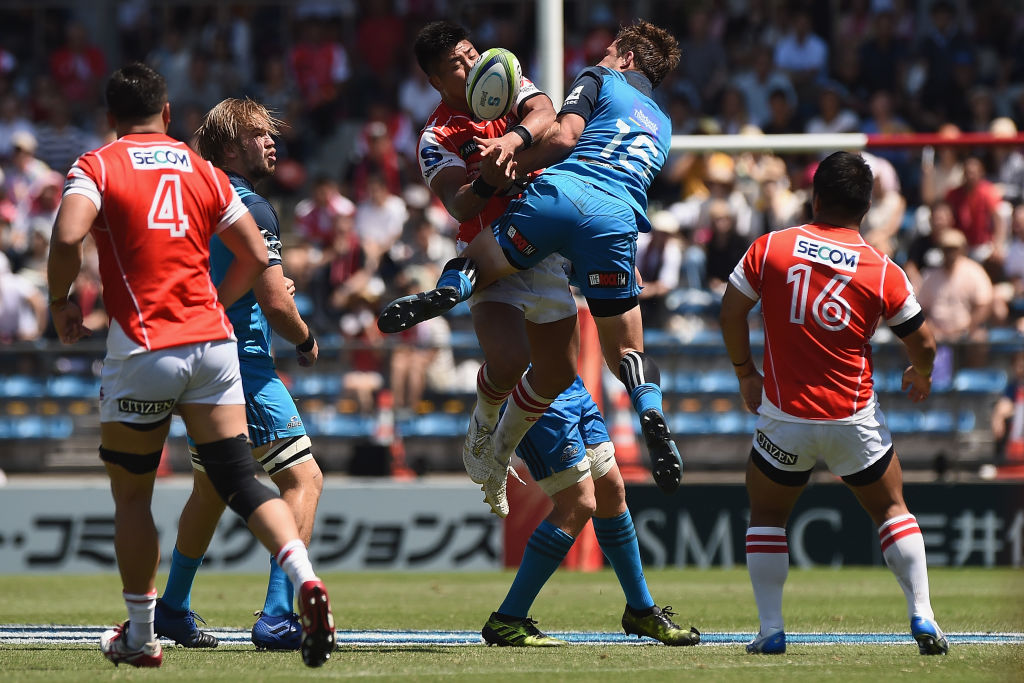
x,y
822,291
447,140
159,203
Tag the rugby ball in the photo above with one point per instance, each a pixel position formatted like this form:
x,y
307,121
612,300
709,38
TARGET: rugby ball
x,y
492,85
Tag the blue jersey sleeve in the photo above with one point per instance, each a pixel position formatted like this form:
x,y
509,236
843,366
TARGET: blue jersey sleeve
x,y
266,219
582,97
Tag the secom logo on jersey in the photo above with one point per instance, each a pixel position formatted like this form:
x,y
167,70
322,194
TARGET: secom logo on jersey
x,y
829,254
154,158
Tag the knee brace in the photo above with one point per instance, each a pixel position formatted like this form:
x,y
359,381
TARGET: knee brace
x,y
232,471
136,463
637,368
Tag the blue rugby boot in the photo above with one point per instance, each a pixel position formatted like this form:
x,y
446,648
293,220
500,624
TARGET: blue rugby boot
x,y
930,638
771,643
180,626
277,633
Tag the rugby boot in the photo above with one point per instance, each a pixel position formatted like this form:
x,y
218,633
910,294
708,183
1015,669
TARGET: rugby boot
x,y
277,632
180,626
666,463
404,312
478,451
317,623
506,631
658,625
930,638
771,643
114,647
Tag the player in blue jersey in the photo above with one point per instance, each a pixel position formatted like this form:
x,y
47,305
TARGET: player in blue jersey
x,y
236,137
571,458
601,153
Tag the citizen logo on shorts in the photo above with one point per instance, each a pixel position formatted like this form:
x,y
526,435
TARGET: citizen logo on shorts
x,y
774,451
613,279
134,405
522,245
152,158
829,254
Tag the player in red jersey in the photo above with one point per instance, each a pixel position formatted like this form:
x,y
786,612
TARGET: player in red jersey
x,y
823,291
152,206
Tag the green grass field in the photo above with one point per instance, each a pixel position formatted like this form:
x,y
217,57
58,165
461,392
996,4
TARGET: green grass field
x,y
718,601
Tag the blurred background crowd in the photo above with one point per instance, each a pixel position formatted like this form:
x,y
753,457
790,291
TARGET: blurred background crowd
x,y
359,227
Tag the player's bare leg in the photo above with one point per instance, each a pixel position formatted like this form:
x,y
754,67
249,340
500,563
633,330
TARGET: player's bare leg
x,y
904,552
622,342
768,552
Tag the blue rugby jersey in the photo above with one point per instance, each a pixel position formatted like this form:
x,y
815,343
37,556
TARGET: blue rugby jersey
x,y
252,329
626,139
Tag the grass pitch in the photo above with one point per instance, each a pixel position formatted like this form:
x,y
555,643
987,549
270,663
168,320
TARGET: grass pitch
x,y
819,600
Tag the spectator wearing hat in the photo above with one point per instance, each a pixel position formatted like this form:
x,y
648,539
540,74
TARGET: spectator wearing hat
x,y
22,173
957,295
659,260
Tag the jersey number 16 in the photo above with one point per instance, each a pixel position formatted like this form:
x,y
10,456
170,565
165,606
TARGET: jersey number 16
x,y
830,310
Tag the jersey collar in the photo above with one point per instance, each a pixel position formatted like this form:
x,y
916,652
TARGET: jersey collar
x,y
238,180
639,81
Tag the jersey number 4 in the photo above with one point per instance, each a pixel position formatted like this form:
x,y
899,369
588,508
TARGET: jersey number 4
x,y
830,310
167,211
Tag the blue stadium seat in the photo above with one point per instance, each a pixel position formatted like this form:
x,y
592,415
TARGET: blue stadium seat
x,y
903,422
980,381
22,386
73,386
690,423
718,382
434,425
341,426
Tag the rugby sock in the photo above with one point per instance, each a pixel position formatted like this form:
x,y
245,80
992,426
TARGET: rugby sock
x,y
140,614
524,408
280,600
617,539
768,565
903,550
459,273
178,591
488,398
294,560
641,377
545,550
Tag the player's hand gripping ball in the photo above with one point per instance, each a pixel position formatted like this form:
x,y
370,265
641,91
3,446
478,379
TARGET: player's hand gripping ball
x,y
492,85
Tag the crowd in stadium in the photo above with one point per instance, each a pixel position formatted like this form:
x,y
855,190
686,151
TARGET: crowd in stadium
x,y
360,227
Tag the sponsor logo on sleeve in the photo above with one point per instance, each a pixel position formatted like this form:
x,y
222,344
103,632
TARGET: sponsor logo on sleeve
x,y
467,148
140,407
522,245
617,278
157,158
574,96
774,451
832,255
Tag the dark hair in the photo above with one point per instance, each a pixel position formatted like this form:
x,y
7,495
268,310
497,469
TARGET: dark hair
x,y
655,50
435,41
135,92
843,183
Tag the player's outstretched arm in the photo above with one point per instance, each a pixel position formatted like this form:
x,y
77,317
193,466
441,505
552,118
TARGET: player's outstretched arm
x,y
538,115
736,306
278,304
554,145
244,240
74,219
921,349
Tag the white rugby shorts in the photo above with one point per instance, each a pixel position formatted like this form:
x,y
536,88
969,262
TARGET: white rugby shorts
x,y
145,387
846,448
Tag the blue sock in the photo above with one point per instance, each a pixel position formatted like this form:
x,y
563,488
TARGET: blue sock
x,y
280,593
544,552
645,397
617,539
457,279
178,592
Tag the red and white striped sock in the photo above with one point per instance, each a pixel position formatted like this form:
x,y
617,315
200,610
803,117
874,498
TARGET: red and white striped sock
x,y
140,613
488,398
524,408
768,565
903,550
294,560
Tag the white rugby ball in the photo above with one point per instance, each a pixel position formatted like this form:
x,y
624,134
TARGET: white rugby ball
x,y
492,85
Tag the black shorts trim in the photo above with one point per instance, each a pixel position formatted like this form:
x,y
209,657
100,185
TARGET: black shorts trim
x,y
873,472
146,426
781,477
606,308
